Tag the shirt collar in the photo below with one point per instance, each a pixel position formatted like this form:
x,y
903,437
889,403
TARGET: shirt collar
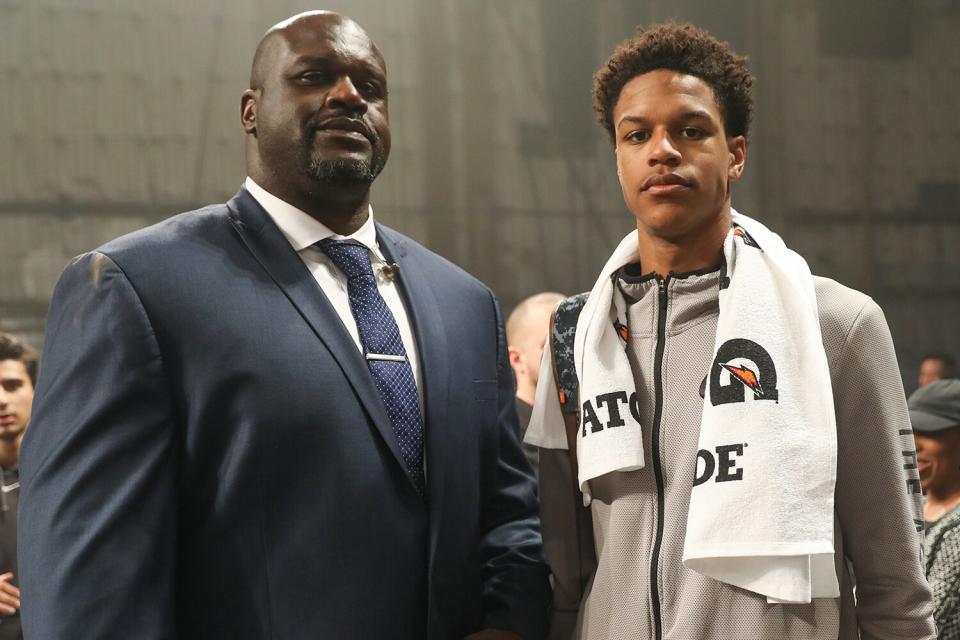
x,y
302,230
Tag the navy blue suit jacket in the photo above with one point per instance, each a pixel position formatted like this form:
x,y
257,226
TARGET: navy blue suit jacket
x,y
209,456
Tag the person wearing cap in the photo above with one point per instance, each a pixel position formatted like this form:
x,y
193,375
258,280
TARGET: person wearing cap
x,y
935,414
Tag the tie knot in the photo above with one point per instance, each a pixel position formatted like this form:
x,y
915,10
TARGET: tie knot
x,y
351,258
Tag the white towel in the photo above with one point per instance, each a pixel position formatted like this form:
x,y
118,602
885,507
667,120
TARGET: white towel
x,y
767,524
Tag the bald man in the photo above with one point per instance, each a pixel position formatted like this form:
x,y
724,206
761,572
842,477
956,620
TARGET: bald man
x,y
277,418
527,328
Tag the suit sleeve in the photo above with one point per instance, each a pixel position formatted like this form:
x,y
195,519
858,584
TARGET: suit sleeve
x,y
877,500
97,519
516,587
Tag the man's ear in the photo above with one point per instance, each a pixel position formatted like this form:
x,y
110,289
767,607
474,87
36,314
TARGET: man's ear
x,y
738,156
514,356
248,110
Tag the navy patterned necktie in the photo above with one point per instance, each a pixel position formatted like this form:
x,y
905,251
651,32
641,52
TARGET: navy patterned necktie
x,y
383,349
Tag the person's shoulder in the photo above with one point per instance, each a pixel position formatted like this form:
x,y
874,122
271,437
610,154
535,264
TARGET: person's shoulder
x,y
170,234
951,521
563,333
574,304
945,532
164,248
839,306
846,314
565,317
835,300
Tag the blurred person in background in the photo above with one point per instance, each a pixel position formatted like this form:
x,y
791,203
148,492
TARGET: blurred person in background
x,y
527,327
936,366
18,374
935,414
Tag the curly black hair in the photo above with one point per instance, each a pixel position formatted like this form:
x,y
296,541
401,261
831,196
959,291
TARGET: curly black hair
x,y
686,49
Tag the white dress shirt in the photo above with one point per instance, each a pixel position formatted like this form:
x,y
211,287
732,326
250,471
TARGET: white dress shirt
x,y
302,232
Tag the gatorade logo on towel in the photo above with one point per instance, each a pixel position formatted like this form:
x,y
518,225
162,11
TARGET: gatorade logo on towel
x,y
740,365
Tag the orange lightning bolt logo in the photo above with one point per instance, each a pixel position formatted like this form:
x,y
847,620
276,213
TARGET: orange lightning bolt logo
x,y
622,330
746,237
747,376
742,364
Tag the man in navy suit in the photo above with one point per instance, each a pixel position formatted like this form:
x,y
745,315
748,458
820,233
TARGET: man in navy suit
x,y
275,418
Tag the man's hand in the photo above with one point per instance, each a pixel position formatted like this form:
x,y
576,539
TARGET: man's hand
x,y
9,595
493,634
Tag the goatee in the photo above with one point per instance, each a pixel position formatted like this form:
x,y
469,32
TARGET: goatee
x,y
343,172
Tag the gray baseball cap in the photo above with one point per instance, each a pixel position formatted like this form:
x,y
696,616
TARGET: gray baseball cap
x,y
935,406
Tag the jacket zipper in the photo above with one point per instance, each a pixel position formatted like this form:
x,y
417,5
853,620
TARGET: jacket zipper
x,y
655,451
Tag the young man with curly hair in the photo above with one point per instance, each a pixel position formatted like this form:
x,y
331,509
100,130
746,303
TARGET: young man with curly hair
x,y
736,425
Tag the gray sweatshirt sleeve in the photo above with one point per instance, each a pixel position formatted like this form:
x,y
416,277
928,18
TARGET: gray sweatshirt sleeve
x,y
878,499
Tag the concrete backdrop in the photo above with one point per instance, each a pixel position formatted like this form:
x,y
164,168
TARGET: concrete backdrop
x,y
117,114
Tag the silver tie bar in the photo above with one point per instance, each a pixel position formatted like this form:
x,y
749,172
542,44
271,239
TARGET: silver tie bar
x,y
384,356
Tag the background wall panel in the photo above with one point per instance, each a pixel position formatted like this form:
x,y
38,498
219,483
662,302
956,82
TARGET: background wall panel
x,y
118,114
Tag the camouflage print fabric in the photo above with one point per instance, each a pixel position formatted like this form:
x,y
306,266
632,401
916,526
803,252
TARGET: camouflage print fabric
x,y
564,330
942,550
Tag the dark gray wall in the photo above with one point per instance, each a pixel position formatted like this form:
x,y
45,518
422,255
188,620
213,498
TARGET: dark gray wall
x,y
118,114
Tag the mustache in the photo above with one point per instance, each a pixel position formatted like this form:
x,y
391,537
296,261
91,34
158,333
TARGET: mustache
x,y
665,178
345,122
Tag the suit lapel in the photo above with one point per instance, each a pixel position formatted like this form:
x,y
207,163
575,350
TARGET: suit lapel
x,y
424,309
274,253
